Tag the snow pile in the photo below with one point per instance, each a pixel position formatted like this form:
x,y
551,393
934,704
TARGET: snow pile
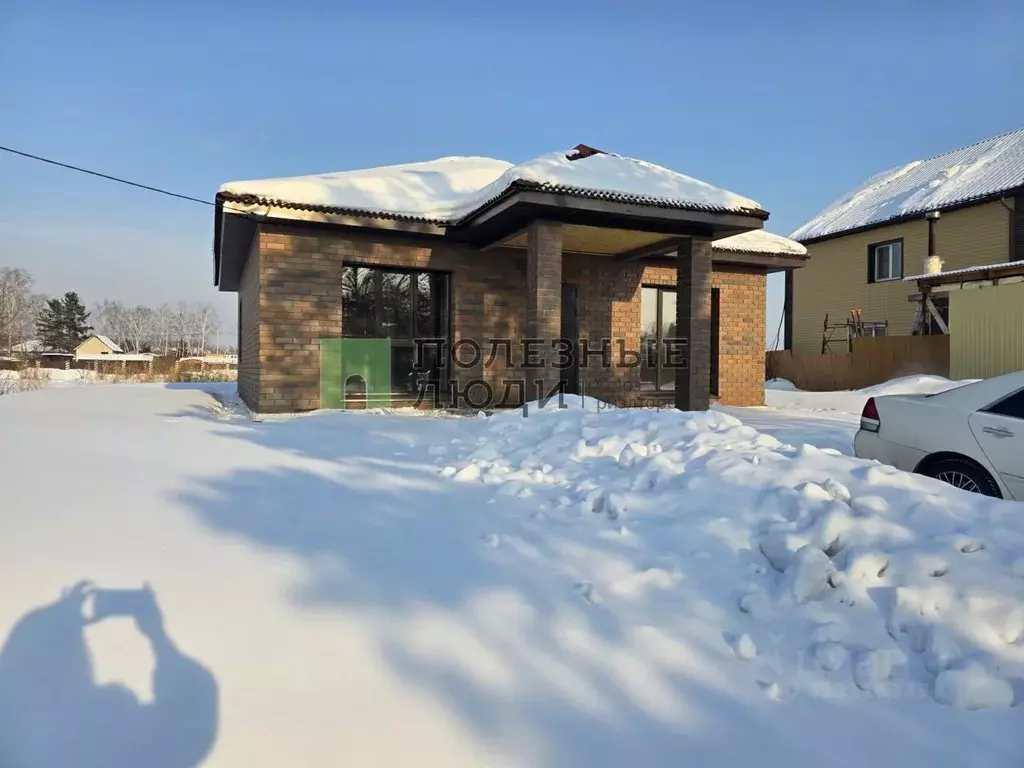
x,y
759,241
836,575
971,172
450,188
434,190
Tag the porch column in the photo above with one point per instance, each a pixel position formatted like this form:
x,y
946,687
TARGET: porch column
x,y
543,303
693,323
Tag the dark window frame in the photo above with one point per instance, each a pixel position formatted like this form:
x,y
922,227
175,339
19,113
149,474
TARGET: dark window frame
x,y
443,306
872,278
659,388
990,408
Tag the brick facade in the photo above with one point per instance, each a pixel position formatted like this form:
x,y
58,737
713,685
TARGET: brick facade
x,y
693,322
290,298
543,300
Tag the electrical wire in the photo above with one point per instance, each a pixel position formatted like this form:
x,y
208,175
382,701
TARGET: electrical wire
x,y
120,180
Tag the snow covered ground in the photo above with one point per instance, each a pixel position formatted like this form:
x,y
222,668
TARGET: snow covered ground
x,y
826,419
575,588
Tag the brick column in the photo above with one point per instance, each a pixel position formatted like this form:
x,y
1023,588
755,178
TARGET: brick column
x,y
543,301
693,323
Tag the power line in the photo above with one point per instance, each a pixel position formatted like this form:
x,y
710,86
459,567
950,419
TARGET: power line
x,y
107,176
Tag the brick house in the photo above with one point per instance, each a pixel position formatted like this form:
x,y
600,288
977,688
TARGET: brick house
x,y
656,279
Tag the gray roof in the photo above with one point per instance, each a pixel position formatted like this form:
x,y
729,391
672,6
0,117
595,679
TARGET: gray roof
x,y
971,173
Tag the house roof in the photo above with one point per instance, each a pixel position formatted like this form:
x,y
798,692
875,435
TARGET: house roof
x,y
106,340
965,175
967,274
450,190
759,241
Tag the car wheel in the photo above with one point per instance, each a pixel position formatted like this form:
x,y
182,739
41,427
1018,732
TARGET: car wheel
x,y
964,474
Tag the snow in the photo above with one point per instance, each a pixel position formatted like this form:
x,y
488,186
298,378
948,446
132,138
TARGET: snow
x,y
107,341
759,241
976,171
141,357
967,270
973,688
451,188
826,419
318,585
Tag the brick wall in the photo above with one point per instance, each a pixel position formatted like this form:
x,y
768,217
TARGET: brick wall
x,y
609,307
249,329
299,290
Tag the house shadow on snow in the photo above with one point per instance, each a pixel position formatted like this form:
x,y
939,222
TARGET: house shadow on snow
x,y
53,713
473,604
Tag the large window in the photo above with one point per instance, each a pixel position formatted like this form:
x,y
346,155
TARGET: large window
x,y
657,324
885,261
401,305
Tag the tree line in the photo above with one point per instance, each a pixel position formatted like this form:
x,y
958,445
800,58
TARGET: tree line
x,y
61,324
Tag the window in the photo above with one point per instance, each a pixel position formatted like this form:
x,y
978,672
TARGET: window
x,y
885,261
874,330
400,305
1012,406
657,324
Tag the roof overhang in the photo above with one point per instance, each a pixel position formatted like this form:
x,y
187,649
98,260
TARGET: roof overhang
x,y
514,211
995,274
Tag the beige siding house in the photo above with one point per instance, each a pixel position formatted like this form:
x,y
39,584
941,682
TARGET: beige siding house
x,y
97,344
965,206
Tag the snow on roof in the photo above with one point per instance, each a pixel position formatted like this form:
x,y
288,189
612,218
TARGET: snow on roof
x,y
968,270
969,173
448,190
759,241
107,341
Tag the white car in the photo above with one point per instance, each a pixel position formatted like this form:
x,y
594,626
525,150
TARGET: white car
x,y
970,436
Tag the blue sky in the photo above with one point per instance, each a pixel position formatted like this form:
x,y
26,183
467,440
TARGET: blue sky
x,y
788,103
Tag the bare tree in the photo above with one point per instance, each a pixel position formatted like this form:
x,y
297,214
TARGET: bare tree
x,y
139,325
163,330
16,304
206,325
110,319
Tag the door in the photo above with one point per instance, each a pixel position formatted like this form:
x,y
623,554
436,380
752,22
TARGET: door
x,y
999,430
571,333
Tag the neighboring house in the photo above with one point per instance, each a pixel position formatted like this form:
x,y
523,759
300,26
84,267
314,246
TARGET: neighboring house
x,y
30,347
986,317
97,344
580,245
969,203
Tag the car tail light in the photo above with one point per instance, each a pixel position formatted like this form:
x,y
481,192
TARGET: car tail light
x,y
869,416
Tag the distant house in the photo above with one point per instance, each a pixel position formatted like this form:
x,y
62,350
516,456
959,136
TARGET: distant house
x,y
30,347
97,344
965,206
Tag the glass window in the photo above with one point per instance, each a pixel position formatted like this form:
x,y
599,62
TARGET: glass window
x,y
358,302
1012,406
888,261
649,337
657,325
429,298
401,306
396,301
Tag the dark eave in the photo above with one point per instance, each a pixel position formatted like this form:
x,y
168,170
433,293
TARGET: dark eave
x,y
915,215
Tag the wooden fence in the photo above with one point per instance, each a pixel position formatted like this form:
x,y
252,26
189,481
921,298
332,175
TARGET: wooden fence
x,y
872,361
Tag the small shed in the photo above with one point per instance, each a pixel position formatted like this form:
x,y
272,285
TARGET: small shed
x,y
97,344
985,317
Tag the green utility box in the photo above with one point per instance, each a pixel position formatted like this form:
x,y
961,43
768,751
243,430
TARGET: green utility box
x,y
355,373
